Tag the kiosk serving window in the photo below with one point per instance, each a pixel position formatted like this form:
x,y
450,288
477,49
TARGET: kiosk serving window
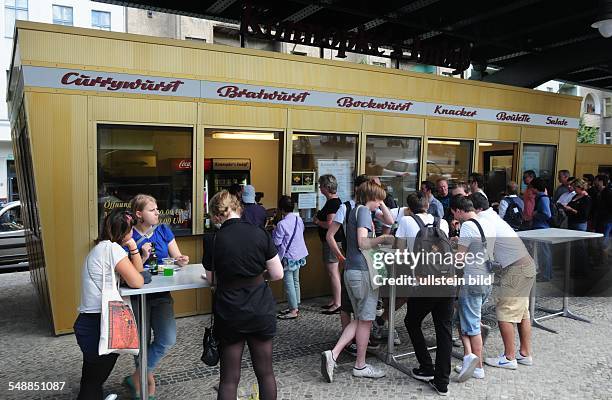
x,y
396,161
153,160
315,155
541,159
450,159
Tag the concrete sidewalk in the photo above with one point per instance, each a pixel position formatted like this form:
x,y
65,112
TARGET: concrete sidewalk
x,y
576,363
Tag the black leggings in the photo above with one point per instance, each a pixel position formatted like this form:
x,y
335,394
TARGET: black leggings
x,y
261,357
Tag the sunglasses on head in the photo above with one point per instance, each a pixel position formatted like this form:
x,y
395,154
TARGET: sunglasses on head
x,y
129,218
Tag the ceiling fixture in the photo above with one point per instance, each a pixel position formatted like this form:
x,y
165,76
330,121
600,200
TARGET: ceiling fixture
x,y
448,142
245,135
604,19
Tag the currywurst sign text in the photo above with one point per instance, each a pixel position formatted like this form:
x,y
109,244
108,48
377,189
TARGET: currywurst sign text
x,y
98,81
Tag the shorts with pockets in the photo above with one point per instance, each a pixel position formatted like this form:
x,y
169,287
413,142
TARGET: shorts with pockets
x,y
363,297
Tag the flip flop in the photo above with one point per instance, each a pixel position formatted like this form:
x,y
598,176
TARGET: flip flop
x,y
285,311
327,306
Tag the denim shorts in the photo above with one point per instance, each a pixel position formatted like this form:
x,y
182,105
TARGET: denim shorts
x,y
471,299
363,297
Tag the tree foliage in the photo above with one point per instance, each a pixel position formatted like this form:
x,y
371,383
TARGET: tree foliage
x,y
587,134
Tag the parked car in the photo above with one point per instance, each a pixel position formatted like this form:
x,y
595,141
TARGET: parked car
x,y
13,253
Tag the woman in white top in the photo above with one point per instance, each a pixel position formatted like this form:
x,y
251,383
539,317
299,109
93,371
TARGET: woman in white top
x,y
106,257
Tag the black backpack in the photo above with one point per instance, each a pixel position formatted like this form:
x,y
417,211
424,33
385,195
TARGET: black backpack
x,y
514,214
433,242
558,217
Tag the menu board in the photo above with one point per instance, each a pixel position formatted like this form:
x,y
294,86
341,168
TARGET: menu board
x,y
341,169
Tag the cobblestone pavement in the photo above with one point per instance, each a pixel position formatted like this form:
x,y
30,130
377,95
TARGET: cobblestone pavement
x,y
574,364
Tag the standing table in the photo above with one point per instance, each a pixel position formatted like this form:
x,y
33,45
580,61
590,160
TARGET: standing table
x,y
554,236
188,277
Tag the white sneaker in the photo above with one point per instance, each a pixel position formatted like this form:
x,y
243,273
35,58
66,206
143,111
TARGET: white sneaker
x,y
478,372
111,396
501,362
327,365
470,362
369,371
524,360
396,338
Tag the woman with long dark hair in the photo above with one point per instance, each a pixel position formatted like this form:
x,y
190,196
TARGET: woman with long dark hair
x,y
243,258
108,256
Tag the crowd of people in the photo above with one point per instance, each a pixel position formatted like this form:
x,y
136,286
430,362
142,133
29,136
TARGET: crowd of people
x,y
459,217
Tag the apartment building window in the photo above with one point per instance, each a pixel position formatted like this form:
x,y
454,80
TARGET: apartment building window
x,y
62,15
379,64
608,138
608,107
13,10
101,20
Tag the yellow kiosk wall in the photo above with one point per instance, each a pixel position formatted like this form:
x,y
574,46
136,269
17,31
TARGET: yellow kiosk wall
x,y
62,125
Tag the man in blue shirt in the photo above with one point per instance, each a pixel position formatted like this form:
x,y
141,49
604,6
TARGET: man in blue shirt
x,y
251,211
435,207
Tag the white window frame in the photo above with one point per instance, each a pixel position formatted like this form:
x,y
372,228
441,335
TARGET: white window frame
x,y
15,9
61,21
101,27
607,111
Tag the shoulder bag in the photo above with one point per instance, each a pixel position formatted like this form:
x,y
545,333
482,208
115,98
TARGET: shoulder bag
x,y
118,330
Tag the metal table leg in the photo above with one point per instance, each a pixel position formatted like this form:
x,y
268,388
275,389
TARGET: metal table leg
x,y
532,298
565,312
144,389
388,356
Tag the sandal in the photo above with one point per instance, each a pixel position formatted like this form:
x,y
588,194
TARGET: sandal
x,y
331,311
285,311
327,306
129,382
287,316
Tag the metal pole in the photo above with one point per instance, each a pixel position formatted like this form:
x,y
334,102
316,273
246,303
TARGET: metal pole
x,y
144,390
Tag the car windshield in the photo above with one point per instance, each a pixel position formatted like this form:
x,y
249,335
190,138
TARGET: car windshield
x,y
11,220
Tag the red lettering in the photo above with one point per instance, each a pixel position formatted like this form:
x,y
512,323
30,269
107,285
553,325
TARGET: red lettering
x,y
67,76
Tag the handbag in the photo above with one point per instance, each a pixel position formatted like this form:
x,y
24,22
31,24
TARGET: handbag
x,y
118,329
370,255
285,260
210,343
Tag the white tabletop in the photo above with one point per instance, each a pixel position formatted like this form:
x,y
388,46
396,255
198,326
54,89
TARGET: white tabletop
x,y
188,277
556,235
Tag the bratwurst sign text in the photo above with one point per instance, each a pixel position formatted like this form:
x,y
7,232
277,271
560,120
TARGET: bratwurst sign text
x,y
228,91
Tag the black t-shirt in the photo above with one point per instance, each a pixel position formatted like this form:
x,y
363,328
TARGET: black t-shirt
x,y
331,207
240,251
583,206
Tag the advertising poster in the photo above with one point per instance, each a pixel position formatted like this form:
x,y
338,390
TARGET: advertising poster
x,y
302,182
341,169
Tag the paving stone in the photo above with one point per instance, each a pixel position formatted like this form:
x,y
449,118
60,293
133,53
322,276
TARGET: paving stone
x,y
574,364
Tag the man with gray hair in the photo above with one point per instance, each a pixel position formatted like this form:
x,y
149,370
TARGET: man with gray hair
x,y
564,187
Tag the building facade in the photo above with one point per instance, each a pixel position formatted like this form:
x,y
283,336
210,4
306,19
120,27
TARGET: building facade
x,y
596,108
81,13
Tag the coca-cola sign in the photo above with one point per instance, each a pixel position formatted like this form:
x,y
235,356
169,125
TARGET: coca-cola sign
x,y
182,164
59,78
